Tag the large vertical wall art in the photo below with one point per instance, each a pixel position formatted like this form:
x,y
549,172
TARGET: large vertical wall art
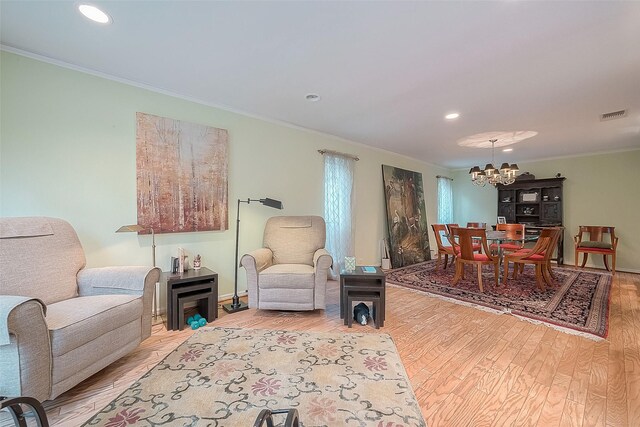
x,y
181,175
406,216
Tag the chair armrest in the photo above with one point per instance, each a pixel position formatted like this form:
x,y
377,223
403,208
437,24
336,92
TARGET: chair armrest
x,y
254,262
257,260
25,349
123,280
322,259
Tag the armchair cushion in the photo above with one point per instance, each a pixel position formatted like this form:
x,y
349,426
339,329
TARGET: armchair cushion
x,y
74,322
288,276
50,243
597,245
294,239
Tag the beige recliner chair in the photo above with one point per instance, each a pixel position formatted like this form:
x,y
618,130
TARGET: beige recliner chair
x,y
290,271
59,322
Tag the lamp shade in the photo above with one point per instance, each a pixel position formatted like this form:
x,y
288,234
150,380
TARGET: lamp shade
x,y
130,228
276,204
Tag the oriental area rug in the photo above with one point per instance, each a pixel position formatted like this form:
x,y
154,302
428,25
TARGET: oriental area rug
x,y
578,303
226,376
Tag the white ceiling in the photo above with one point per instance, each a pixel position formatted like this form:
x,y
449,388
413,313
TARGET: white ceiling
x,y
387,72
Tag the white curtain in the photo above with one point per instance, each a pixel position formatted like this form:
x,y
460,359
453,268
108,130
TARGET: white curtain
x,y
445,200
339,207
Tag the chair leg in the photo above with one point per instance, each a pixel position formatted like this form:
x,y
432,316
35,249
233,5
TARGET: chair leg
x,y
457,276
539,279
613,264
545,274
446,261
480,277
496,274
585,255
506,272
575,258
606,263
439,259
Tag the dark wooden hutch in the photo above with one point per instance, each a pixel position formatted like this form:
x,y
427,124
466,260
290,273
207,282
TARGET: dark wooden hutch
x,y
537,203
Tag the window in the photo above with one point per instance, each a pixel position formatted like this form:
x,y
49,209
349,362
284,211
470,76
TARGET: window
x,y
445,200
338,206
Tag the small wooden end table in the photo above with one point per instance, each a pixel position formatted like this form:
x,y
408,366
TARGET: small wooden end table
x,y
362,283
192,285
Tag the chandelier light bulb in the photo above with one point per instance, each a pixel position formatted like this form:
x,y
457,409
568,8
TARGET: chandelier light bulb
x,y
506,175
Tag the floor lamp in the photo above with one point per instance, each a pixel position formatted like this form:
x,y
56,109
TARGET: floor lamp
x,y
136,228
236,304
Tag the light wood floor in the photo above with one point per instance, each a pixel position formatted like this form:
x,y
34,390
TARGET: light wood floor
x,y
467,367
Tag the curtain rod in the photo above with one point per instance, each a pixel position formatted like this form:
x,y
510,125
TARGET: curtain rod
x,y
351,156
445,177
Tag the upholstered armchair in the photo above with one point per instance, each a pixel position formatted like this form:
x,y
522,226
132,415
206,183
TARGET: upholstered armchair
x,y
60,323
290,271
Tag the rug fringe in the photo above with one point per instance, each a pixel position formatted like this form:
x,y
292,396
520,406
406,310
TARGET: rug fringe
x,y
560,328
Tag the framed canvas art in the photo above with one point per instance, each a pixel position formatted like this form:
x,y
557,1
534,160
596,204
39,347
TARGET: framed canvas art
x,y
181,175
502,220
406,216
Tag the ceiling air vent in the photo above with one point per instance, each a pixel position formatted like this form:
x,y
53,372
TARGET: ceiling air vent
x,y
613,115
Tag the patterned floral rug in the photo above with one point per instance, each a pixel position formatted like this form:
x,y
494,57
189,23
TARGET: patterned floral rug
x,y
579,303
226,376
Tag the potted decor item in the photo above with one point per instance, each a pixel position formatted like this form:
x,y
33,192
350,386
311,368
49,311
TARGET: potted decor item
x,y
196,262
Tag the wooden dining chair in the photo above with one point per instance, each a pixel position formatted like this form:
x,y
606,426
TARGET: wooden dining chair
x,y
477,247
539,256
515,237
467,254
440,231
596,240
477,225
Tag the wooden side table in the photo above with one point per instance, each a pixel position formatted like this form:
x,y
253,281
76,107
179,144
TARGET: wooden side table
x,y
192,285
358,281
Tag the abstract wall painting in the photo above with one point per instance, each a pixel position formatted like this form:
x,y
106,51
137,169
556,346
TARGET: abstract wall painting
x,y
406,216
181,175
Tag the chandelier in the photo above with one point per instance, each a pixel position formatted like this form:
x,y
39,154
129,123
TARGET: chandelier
x,y
505,175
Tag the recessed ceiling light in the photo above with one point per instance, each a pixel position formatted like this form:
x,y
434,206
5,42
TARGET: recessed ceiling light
x,y
312,97
506,150
452,116
94,14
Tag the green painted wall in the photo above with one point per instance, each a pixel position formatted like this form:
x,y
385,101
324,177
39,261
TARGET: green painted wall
x,y
68,150
599,190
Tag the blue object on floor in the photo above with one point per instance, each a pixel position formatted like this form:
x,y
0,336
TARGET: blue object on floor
x,y
190,320
202,321
197,317
195,325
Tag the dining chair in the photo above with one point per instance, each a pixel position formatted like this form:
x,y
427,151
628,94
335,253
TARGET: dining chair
x,y
515,237
467,254
593,240
440,231
539,256
477,225
477,247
